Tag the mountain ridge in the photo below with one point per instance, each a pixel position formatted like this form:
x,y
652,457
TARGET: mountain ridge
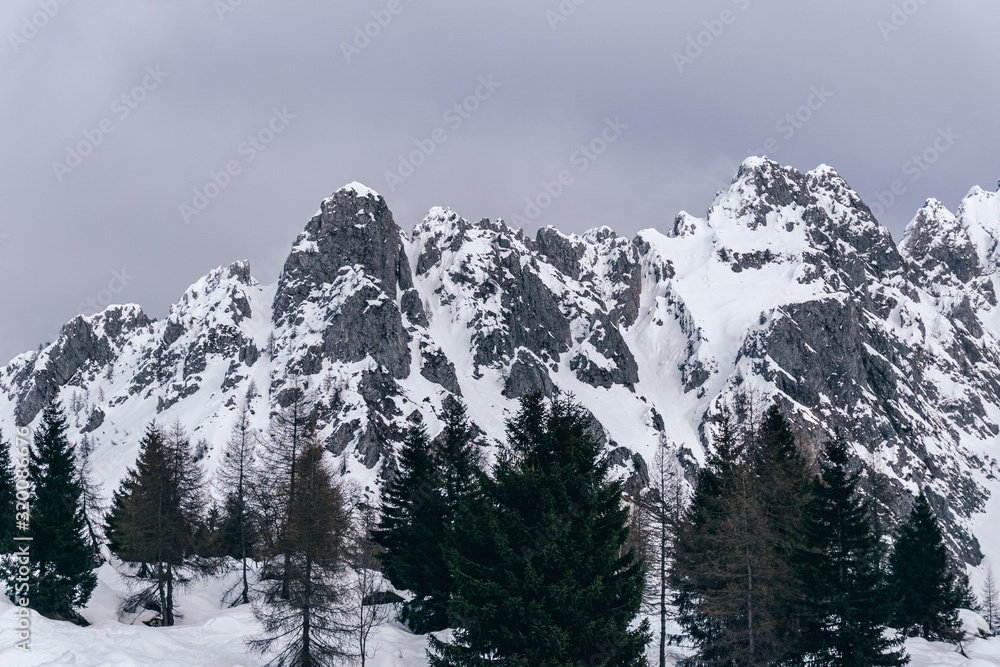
x,y
788,286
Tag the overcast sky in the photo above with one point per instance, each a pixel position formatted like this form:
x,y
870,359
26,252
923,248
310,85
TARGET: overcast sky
x,y
114,116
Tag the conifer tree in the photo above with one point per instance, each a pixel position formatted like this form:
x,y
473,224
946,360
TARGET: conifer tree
x,y
290,431
542,577
233,480
456,460
63,580
701,533
93,505
8,498
843,576
738,594
990,602
922,578
154,520
411,532
661,508
311,625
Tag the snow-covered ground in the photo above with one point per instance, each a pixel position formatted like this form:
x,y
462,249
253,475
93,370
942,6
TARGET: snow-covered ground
x,y
209,635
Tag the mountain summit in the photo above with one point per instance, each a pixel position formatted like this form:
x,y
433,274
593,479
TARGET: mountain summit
x,y
787,289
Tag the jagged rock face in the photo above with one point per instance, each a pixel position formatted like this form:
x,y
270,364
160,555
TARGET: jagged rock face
x,y
787,289
84,348
354,227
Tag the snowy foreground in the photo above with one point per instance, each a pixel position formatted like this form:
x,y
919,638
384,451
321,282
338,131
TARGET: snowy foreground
x,y
210,636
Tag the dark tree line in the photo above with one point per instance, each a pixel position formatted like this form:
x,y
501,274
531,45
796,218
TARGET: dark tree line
x,y
772,558
777,565
530,563
297,545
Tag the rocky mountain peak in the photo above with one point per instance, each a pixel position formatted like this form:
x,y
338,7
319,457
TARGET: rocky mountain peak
x,y
758,192
939,244
353,228
979,213
788,289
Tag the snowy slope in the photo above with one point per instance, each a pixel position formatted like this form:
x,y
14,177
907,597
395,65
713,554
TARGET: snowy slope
x,y
210,636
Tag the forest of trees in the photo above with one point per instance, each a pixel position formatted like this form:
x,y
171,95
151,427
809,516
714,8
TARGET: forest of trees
x,y
765,555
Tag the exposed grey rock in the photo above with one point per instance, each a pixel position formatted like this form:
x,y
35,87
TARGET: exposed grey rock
x,y
94,421
349,230
608,341
368,324
436,367
412,308
84,344
560,251
527,375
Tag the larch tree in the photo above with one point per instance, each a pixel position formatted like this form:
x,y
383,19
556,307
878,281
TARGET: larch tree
x,y
306,616
661,509
290,429
989,601
234,479
91,500
738,594
369,610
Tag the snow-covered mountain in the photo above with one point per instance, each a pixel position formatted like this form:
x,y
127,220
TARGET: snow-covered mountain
x,y
788,286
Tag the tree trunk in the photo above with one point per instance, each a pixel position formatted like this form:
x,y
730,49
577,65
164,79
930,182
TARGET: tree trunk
x,y
168,616
663,591
306,608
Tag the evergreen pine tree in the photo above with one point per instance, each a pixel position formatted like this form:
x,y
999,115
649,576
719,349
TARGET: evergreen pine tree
x,y
411,532
542,576
59,549
305,617
457,464
8,498
923,581
843,576
154,520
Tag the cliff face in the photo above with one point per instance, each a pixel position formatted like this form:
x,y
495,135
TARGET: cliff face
x,y
787,289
